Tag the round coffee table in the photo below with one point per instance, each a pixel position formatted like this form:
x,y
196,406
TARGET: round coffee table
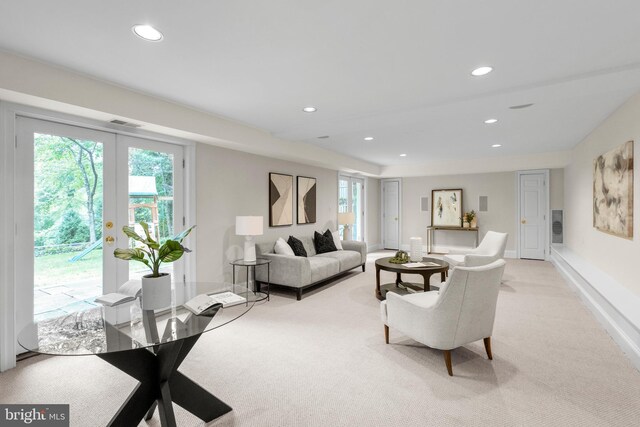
x,y
433,265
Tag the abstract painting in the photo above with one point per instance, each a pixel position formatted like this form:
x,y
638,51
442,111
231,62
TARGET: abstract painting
x,y
613,191
280,199
306,200
446,208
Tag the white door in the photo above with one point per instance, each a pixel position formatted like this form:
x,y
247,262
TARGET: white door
x,y
533,227
76,188
391,214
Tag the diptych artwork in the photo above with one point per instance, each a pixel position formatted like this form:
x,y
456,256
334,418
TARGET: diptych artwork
x,y
613,191
280,199
306,200
446,208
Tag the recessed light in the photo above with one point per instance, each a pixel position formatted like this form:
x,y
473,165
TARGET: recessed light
x,y
496,145
147,32
521,106
491,121
481,71
368,138
309,109
403,155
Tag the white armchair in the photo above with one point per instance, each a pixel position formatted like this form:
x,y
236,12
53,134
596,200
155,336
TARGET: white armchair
x,y
461,312
490,249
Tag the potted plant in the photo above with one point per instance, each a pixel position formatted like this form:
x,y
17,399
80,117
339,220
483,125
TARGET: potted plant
x,y
156,287
470,219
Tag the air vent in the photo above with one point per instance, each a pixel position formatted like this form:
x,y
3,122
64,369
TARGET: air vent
x,y
520,107
123,123
323,137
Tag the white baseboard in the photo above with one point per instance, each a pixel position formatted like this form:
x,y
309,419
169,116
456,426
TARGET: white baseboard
x,y
374,247
615,307
510,254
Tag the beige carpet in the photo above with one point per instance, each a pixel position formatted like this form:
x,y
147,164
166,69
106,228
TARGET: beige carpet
x,y
323,362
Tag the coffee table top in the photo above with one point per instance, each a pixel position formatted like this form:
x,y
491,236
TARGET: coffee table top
x,y
384,264
127,326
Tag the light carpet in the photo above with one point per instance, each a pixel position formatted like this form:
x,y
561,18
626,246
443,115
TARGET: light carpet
x,y
322,361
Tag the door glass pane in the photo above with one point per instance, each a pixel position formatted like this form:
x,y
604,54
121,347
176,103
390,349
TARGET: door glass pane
x,y
356,208
67,224
150,200
343,200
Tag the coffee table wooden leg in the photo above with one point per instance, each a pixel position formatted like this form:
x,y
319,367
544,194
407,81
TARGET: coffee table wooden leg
x,y
378,293
426,276
398,279
443,276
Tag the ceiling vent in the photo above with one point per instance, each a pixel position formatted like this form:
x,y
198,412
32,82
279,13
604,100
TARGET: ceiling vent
x,y
323,137
520,107
125,124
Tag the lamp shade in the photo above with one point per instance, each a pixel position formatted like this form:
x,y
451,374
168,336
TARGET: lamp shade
x,y
249,225
346,218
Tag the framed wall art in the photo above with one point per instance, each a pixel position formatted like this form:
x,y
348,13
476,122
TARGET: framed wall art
x,y
446,208
280,199
306,207
613,191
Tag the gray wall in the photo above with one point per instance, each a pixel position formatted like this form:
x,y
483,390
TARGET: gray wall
x,y
500,187
232,183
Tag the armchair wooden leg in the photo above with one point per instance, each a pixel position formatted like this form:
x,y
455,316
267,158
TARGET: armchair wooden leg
x,y
487,346
447,361
386,334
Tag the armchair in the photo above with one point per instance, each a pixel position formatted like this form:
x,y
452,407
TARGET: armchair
x,y
490,249
461,312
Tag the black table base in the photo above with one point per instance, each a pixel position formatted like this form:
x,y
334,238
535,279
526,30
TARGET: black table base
x,y
161,384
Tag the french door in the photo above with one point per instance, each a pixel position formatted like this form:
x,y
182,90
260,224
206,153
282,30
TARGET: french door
x,y
76,188
351,199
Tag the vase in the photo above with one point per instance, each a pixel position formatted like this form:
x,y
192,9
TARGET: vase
x,y
416,249
465,224
156,292
474,223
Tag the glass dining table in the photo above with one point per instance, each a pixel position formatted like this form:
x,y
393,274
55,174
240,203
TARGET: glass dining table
x,y
147,345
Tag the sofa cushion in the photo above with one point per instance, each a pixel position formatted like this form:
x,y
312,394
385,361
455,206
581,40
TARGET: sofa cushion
x,y
297,246
323,243
307,241
347,259
282,248
336,240
323,267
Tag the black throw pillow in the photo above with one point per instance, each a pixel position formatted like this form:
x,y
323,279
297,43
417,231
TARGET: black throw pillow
x,y
297,246
323,243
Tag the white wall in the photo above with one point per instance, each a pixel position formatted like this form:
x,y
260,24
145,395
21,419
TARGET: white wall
x,y
614,255
500,187
232,183
372,213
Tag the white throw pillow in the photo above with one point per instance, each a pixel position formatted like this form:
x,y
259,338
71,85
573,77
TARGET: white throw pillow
x,y
282,248
336,240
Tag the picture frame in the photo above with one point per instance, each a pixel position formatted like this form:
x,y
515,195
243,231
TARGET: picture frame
x,y
613,191
306,201
280,199
446,207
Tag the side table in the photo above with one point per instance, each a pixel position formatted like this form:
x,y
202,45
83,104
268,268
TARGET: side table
x,y
251,266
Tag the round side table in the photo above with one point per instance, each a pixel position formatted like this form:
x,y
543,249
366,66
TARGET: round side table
x,y
251,266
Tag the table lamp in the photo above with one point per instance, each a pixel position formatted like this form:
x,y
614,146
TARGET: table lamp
x,y
346,219
249,226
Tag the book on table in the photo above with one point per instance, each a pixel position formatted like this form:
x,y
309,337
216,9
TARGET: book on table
x,y
200,303
421,264
128,292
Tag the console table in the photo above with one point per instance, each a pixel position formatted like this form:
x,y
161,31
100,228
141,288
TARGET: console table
x,y
431,230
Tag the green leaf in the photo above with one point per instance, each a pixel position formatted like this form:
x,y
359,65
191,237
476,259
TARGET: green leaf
x,y
131,232
145,227
132,255
180,237
170,251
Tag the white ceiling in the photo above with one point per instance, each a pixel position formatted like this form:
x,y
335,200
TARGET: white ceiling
x,y
398,71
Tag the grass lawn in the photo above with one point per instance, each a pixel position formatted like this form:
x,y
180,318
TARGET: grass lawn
x,y
57,270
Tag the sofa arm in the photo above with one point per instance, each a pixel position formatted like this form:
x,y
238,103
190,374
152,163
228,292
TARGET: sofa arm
x,y
294,271
352,245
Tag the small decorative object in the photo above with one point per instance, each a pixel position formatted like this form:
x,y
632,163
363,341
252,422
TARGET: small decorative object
x,y
280,200
249,226
346,219
470,219
156,287
401,257
613,191
306,212
416,249
446,208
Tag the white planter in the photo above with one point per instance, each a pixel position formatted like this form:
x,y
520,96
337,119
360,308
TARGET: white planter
x,y
156,292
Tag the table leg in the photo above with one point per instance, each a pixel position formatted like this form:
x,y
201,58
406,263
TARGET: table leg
x,y
398,279
378,293
426,276
443,276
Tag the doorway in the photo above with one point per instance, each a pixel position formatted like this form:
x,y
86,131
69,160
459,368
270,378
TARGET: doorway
x,y
351,199
76,189
391,214
533,199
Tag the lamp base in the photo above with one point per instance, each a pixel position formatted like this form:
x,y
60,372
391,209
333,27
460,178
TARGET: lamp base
x,y
345,232
249,249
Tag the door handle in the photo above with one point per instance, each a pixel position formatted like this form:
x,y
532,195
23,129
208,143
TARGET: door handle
x,y
523,221
109,240
396,218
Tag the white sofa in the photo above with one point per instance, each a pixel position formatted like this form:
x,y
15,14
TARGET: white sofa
x,y
461,312
491,248
300,273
